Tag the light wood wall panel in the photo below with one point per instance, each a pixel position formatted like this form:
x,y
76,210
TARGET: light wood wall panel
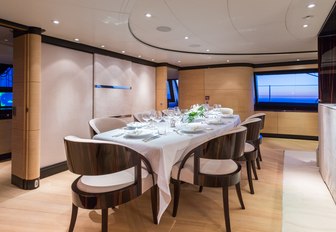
x,y
191,88
161,88
5,136
67,96
298,123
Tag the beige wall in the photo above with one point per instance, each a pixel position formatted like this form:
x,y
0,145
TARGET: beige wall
x,y
66,99
233,87
69,99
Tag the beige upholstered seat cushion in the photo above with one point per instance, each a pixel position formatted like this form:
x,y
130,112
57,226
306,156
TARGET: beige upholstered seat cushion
x,y
248,147
114,181
207,166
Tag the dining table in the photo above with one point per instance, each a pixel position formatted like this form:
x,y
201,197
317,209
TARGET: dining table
x,y
164,144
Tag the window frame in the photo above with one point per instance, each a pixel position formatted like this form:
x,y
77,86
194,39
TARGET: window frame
x,y
280,106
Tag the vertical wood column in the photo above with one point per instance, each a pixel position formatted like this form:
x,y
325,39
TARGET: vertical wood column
x,y
161,88
26,109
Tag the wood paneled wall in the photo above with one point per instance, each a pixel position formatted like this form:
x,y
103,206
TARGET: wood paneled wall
x,y
233,87
5,136
161,88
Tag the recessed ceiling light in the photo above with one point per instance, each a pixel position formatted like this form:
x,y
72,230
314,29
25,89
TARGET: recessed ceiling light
x,y
139,56
312,5
186,37
227,61
122,51
153,59
179,61
55,21
208,50
297,59
102,46
76,39
148,15
306,25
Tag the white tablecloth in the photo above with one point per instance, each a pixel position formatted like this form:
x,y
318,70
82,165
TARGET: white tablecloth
x,y
165,151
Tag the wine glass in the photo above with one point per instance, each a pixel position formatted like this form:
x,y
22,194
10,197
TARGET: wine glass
x,y
145,117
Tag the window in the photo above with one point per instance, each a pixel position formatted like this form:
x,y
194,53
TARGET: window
x,y
172,93
291,90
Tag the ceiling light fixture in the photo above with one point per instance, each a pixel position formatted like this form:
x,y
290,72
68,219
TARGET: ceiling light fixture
x,y
186,37
297,59
102,46
227,61
76,39
304,26
178,61
123,52
208,50
6,40
312,5
139,56
55,21
148,15
152,59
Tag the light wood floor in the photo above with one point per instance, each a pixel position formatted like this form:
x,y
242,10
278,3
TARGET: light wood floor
x,y
48,208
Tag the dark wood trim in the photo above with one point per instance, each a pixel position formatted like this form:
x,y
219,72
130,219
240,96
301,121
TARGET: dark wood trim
x,y
289,63
93,50
286,136
5,157
53,169
218,66
9,24
25,184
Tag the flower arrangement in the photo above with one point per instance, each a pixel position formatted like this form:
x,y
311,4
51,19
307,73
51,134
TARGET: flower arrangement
x,y
195,111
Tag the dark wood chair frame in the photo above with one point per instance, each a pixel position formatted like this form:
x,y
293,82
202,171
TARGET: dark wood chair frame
x,y
223,147
99,158
251,157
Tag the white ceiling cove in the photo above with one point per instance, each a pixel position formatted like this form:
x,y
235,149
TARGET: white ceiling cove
x,y
218,31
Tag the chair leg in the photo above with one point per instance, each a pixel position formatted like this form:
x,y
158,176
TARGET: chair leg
x,y
226,208
249,175
104,220
154,197
258,163
240,197
200,189
254,169
73,217
176,197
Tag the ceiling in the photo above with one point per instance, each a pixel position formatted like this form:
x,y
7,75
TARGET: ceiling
x,y
218,31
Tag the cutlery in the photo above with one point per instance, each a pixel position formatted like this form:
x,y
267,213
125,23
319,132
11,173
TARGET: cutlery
x,y
151,138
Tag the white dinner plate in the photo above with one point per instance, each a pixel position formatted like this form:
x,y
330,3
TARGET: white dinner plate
x,y
134,125
193,128
215,121
227,116
138,133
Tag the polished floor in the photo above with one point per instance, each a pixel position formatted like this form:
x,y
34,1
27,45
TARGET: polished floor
x,y
48,208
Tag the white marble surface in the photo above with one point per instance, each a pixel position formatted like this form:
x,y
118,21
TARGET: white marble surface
x,y
307,203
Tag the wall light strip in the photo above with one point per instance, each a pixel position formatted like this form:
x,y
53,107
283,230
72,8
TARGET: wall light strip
x,y
113,87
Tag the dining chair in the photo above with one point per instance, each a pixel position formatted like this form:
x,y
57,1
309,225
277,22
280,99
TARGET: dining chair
x,y
212,164
110,175
100,125
251,148
262,116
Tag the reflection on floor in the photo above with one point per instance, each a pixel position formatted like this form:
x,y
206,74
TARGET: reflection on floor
x,y
307,203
